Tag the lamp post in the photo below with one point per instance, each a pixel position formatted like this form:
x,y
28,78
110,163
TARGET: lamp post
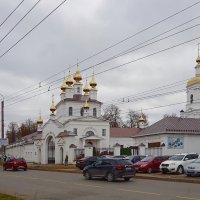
x,y
2,116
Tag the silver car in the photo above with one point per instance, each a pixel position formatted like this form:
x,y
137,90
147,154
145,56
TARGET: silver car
x,y
193,168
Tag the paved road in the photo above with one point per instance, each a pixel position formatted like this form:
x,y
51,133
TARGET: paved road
x,y
41,185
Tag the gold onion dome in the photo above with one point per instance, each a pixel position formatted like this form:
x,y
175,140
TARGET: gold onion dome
x,y
141,119
53,108
40,120
63,86
86,105
93,83
198,60
77,76
69,80
86,89
195,80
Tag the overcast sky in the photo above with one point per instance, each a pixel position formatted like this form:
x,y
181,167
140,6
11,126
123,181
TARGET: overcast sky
x,y
81,28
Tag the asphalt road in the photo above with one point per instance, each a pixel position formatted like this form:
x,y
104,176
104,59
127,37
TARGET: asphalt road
x,y
41,185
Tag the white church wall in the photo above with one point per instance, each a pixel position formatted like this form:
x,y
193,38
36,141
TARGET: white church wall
x,y
190,144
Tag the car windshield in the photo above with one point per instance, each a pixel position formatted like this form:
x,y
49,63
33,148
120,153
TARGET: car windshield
x,y
20,159
147,159
197,160
176,157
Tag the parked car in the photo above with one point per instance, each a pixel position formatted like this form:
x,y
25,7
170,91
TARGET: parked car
x,y
15,164
178,162
110,169
135,158
81,163
120,156
193,169
149,164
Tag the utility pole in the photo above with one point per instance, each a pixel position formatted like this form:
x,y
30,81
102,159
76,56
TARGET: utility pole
x,y
2,116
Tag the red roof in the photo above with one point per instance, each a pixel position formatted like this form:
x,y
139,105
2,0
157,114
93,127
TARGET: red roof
x,y
124,132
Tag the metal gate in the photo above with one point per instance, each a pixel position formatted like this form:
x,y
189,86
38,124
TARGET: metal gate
x,y
51,151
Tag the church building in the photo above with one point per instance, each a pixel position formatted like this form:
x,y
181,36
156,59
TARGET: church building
x,y
75,124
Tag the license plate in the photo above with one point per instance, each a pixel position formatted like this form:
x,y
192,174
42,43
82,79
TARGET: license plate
x,y
128,169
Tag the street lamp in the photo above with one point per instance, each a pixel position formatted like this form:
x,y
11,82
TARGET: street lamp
x,y
2,116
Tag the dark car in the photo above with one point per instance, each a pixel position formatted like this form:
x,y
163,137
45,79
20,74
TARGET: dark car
x,y
150,164
81,163
135,158
110,169
15,164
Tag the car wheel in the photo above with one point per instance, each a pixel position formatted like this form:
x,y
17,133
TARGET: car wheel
x,y
180,170
126,178
110,177
87,176
189,175
25,169
149,170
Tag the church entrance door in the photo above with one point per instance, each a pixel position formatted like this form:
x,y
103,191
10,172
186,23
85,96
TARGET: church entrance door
x,y
51,151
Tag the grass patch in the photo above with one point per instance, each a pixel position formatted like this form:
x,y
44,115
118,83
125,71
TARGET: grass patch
x,y
8,197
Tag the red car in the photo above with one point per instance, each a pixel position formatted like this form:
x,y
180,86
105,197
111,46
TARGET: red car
x,y
15,164
150,164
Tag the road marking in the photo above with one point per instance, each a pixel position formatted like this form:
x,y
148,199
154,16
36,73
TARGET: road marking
x,y
96,186
189,198
142,192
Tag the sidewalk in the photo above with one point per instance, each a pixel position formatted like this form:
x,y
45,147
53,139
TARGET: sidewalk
x,y
153,176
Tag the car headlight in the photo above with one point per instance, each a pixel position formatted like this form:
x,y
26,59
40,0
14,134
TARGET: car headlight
x,y
143,166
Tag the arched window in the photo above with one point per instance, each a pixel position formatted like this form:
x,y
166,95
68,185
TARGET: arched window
x,y
89,133
70,111
191,98
94,112
78,90
82,111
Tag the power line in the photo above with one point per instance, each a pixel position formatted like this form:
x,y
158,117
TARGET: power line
x,y
127,51
19,21
11,13
115,44
32,29
141,58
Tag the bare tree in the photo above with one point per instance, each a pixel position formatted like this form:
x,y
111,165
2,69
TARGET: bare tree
x,y
112,114
27,127
12,132
133,118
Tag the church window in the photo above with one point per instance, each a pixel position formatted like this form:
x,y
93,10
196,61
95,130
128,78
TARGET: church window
x,y
82,111
94,112
103,132
70,111
78,90
89,133
75,131
191,98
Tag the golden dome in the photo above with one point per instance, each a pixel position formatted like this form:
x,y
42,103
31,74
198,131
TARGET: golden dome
x,y
93,83
86,105
53,108
193,81
86,89
198,60
141,118
69,80
40,120
63,86
77,75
